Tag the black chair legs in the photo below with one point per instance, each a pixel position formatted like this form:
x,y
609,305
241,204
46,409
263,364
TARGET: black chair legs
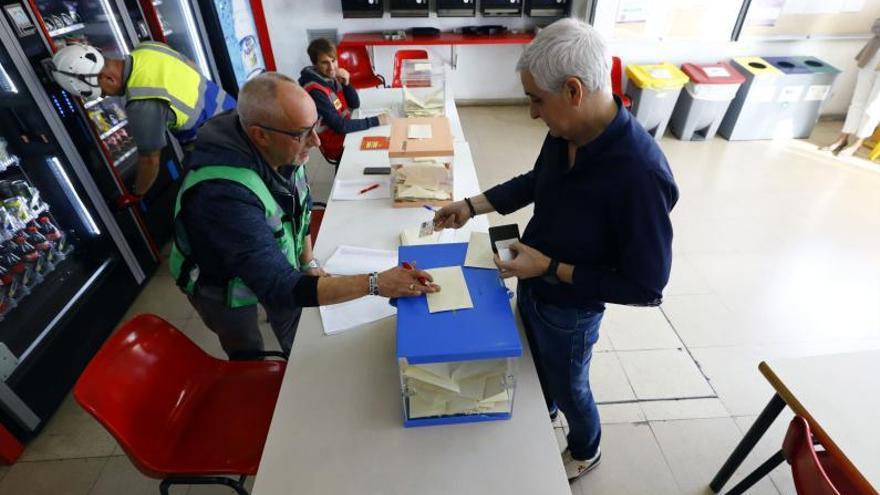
x,y
763,470
237,485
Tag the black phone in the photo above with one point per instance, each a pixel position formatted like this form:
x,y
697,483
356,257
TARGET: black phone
x,y
501,237
377,170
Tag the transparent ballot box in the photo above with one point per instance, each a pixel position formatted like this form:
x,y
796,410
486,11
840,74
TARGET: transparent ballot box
x,y
456,366
421,156
424,88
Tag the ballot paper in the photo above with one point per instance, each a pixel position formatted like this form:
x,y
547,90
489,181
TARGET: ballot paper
x,y
373,112
469,387
419,131
414,193
479,252
350,260
350,189
424,105
453,294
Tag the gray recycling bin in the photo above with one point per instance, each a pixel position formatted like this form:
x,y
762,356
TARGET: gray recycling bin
x,y
654,90
705,100
818,89
752,113
792,89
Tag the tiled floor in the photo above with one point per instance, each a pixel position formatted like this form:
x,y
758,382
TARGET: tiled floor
x,y
776,254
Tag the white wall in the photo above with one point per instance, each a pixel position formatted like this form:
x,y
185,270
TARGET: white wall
x,y
487,72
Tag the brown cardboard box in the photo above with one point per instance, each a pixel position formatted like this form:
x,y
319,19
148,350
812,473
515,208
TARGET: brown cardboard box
x,y
439,145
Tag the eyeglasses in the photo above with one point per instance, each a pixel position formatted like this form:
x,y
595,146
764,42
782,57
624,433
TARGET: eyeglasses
x,y
298,135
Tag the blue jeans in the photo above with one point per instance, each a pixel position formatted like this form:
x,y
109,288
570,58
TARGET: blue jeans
x,y
561,340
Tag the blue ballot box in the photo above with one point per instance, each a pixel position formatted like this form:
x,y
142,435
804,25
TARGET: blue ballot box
x,y
457,366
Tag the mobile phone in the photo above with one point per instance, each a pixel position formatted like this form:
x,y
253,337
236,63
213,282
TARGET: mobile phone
x,y
377,170
501,237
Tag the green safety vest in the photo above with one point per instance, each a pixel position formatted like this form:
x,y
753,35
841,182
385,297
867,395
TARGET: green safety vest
x,y
290,237
158,72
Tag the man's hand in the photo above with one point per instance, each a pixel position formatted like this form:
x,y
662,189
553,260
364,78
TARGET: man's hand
x,y
528,262
343,76
400,282
317,272
384,119
452,216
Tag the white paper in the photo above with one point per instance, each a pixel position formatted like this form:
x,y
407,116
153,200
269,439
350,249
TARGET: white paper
x,y
411,237
631,11
716,72
350,189
372,112
790,94
419,131
422,67
764,12
503,248
479,252
817,92
453,294
350,260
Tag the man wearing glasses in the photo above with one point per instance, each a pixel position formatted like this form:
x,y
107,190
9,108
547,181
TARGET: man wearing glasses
x,y
335,98
242,223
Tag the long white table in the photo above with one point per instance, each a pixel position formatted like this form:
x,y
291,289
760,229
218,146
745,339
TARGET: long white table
x,y
338,427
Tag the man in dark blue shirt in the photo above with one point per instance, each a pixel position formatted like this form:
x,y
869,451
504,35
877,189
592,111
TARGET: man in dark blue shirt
x,y
601,232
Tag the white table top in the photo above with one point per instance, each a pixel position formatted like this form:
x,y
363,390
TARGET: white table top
x,y
338,424
839,397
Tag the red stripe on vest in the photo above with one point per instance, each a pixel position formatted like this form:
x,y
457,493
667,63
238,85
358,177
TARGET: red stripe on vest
x,y
331,141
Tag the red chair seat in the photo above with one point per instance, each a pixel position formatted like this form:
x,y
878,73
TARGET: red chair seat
x,y
356,61
175,410
399,57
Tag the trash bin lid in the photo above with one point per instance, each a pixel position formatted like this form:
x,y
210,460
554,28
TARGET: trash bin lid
x,y
788,65
757,66
720,73
816,65
656,76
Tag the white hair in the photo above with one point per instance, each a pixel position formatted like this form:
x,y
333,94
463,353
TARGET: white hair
x,y
567,48
258,98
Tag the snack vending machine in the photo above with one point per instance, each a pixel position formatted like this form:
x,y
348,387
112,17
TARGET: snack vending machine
x,y
179,24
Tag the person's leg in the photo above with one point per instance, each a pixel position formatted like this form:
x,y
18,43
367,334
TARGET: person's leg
x,y
523,300
870,118
856,111
236,327
284,322
566,337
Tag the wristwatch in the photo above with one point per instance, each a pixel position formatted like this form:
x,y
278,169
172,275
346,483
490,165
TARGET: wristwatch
x,y
373,281
550,275
313,263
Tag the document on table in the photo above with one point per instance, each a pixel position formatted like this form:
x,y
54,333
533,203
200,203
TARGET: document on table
x,y
479,252
350,260
350,189
372,112
419,131
453,293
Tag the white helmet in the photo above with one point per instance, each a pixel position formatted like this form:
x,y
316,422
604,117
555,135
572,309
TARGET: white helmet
x,y
76,68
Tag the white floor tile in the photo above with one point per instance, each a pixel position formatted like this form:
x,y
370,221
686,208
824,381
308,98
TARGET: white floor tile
x,y
664,374
664,410
629,412
162,297
632,328
696,449
120,476
733,372
608,380
71,433
68,476
769,444
632,464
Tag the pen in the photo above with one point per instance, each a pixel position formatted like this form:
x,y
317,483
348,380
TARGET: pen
x,y
408,266
427,207
368,188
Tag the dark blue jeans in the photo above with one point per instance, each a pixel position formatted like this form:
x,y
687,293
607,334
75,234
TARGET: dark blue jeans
x,y
561,340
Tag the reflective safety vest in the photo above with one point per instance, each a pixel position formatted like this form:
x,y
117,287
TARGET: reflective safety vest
x,y
289,234
158,72
331,141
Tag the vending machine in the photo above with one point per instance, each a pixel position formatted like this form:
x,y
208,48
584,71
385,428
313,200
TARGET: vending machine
x,y
179,24
99,127
67,271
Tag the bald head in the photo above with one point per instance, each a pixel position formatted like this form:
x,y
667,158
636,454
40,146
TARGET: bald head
x,y
274,99
277,114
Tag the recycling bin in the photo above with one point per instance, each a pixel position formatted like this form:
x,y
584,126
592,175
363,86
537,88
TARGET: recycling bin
x,y
818,89
654,89
753,112
705,100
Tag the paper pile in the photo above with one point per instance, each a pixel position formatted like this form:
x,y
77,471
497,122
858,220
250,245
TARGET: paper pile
x,y
349,260
470,387
422,180
427,102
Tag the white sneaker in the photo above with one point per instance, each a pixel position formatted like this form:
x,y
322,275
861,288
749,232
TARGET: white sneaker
x,y
574,468
559,421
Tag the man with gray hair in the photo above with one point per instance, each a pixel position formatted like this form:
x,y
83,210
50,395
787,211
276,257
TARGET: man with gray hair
x,y
600,232
242,223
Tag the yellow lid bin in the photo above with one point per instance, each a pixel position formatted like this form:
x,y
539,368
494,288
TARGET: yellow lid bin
x,y
658,77
757,66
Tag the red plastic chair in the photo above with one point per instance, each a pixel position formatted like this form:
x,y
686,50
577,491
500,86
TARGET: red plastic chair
x,y
399,57
617,82
814,473
356,61
179,414
317,217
